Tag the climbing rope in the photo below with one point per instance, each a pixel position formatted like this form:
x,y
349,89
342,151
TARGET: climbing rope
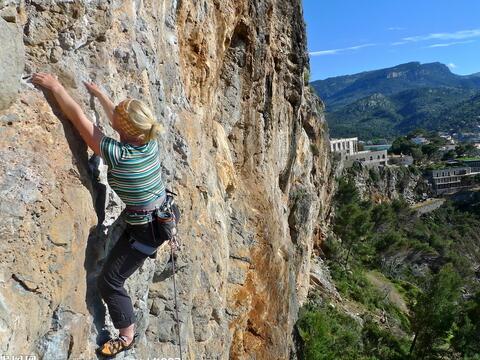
x,y
173,245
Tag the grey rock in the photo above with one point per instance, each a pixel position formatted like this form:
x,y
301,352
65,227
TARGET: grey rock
x,y
182,148
9,119
9,14
157,307
56,54
166,328
237,275
67,42
11,208
57,342
121,55
12,61
321,279
390,182
141,60
202,331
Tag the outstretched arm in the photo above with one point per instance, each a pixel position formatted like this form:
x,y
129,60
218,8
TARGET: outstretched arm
x,y
107,104
90,133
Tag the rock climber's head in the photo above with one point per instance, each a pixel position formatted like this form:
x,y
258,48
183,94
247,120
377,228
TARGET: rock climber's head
x,y
135,121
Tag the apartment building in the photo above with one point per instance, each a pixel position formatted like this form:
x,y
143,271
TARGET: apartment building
x,y
348,150
450,180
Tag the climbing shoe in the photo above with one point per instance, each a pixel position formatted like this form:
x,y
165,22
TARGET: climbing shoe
x,y
114,346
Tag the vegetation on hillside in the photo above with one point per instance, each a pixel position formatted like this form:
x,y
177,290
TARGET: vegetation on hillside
x,y
441,109
432,154
432,260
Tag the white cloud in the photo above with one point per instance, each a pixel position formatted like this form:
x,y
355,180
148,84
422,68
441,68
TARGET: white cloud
x,y
452,66
395,28
451,43
336,51
325,52
458,35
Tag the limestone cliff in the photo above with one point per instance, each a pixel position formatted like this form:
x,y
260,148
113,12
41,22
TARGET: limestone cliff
x,y
246,149
388,183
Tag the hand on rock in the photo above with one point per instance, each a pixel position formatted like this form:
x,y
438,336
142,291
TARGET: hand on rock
x,y
48,81
93,88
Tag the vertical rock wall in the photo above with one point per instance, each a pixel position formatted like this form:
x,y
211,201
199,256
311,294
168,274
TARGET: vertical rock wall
x,y
245,148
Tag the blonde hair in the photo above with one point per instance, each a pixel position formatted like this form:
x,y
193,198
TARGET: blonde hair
x,y
135,119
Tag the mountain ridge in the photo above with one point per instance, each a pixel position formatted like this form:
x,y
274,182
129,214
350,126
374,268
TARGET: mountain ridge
x,y
412,95
343,89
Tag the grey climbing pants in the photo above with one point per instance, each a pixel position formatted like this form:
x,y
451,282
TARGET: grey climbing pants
x,y
122,261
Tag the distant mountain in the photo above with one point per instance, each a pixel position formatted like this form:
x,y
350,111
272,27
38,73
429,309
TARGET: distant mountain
x,y
346,89
390,102
464,115
380,116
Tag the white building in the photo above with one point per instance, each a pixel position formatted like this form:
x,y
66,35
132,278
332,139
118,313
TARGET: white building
x,y
448,147
348,149
420,140
349,145
368,158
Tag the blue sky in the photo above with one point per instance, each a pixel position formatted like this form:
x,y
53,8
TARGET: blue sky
x,y
350,36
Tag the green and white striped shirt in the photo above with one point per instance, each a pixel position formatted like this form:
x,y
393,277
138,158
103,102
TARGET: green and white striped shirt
x,y
133,173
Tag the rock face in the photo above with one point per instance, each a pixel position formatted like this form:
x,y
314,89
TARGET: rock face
x,y
246,149
11,61
388,183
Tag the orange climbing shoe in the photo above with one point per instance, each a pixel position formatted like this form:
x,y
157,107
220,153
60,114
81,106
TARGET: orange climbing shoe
x,y
114,346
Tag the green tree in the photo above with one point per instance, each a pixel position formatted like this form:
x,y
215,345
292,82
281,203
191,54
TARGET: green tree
x,y
327,334
352,221
402,145
352,224
429,149
417,154
465,149
346,192
466,339
417,132
381,344
434,313
449,155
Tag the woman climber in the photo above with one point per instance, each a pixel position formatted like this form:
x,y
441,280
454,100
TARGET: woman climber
x,y
134,174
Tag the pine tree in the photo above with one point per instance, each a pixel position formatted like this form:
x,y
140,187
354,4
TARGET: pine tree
x,y
435,312
466,339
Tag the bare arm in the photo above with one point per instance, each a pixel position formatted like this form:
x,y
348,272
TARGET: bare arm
x,y
107,104
90,133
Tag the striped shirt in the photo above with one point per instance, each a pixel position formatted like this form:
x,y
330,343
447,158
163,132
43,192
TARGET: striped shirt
x,y
133,173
